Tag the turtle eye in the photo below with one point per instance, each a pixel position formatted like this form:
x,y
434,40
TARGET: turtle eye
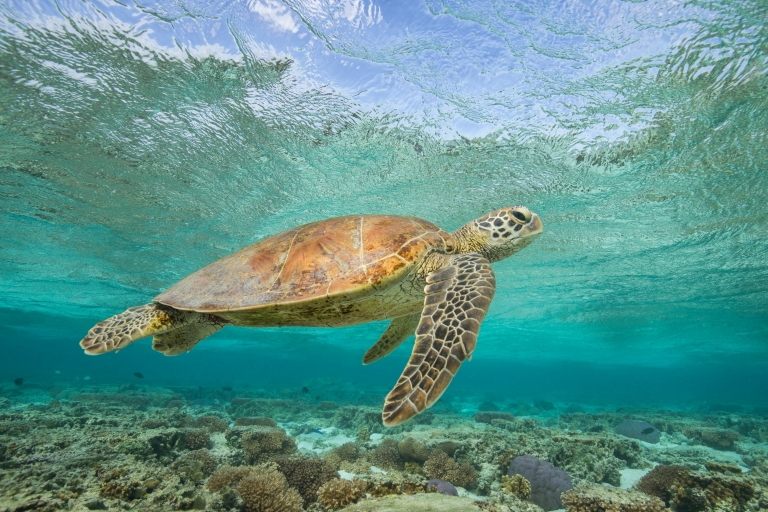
x,y
519,215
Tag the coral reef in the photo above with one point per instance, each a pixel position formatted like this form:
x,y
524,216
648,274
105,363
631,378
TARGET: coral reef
x,y
432,502
261,421
590,459
641,430
660,480
387,455
517,485
442,467
697,491
356,418
547,482
722,467
154,423
721,439
122,491
394,483
211,423
306,475
488,417
411,450
338,493
260,443
268,491
94,448
196,439
196,465
596,498
363,467
227,476
347,452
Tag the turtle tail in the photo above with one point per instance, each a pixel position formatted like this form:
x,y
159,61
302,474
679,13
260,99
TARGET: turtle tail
x,y
139,322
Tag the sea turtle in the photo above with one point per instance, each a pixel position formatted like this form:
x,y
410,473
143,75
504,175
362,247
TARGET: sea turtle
x,y
345,271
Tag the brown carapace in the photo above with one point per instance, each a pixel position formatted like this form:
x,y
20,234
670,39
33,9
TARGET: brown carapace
x,y
345,271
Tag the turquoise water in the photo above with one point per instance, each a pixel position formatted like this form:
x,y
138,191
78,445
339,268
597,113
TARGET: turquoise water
x,y
142,141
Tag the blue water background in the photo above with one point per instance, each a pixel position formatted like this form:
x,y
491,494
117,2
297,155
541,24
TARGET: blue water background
x,y
141,142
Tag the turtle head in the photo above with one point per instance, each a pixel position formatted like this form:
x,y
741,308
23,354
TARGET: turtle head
x,y
499,234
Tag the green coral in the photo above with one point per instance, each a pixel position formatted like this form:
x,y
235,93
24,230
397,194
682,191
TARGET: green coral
x,y
516,485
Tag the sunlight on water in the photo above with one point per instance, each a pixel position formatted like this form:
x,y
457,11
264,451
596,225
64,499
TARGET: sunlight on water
x,y
140,143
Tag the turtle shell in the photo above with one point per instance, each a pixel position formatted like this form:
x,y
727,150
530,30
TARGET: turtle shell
x,y
343,258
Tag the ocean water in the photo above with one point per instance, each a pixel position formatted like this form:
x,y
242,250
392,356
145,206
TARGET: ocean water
x,y
141,141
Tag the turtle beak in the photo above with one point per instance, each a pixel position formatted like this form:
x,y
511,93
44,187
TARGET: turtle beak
x,y
534,226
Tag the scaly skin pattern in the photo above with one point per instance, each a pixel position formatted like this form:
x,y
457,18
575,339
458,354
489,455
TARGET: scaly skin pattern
x,y
457,299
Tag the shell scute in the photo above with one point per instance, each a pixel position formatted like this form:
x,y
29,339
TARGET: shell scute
x,y
344,257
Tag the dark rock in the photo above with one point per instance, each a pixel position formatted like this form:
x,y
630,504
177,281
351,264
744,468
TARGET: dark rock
x,y
547,481
641,430
95,504
443,487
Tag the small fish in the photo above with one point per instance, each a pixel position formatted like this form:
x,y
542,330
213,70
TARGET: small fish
x,y
305,390
226,388
317,397
648,430
18,381
138,375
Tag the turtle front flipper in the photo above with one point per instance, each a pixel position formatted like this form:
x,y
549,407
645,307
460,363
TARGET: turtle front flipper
x,y
397,332
457,298
139,322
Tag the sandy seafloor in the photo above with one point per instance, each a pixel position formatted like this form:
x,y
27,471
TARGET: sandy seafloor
x,y
137,447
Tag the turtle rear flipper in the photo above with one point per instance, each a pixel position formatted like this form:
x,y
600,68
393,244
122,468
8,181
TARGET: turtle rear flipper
x,y
457,299
139,322
184,339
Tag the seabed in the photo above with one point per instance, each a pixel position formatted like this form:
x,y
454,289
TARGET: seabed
x,y
137,447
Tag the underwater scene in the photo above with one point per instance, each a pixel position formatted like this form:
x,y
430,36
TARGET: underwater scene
x,y
431,255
